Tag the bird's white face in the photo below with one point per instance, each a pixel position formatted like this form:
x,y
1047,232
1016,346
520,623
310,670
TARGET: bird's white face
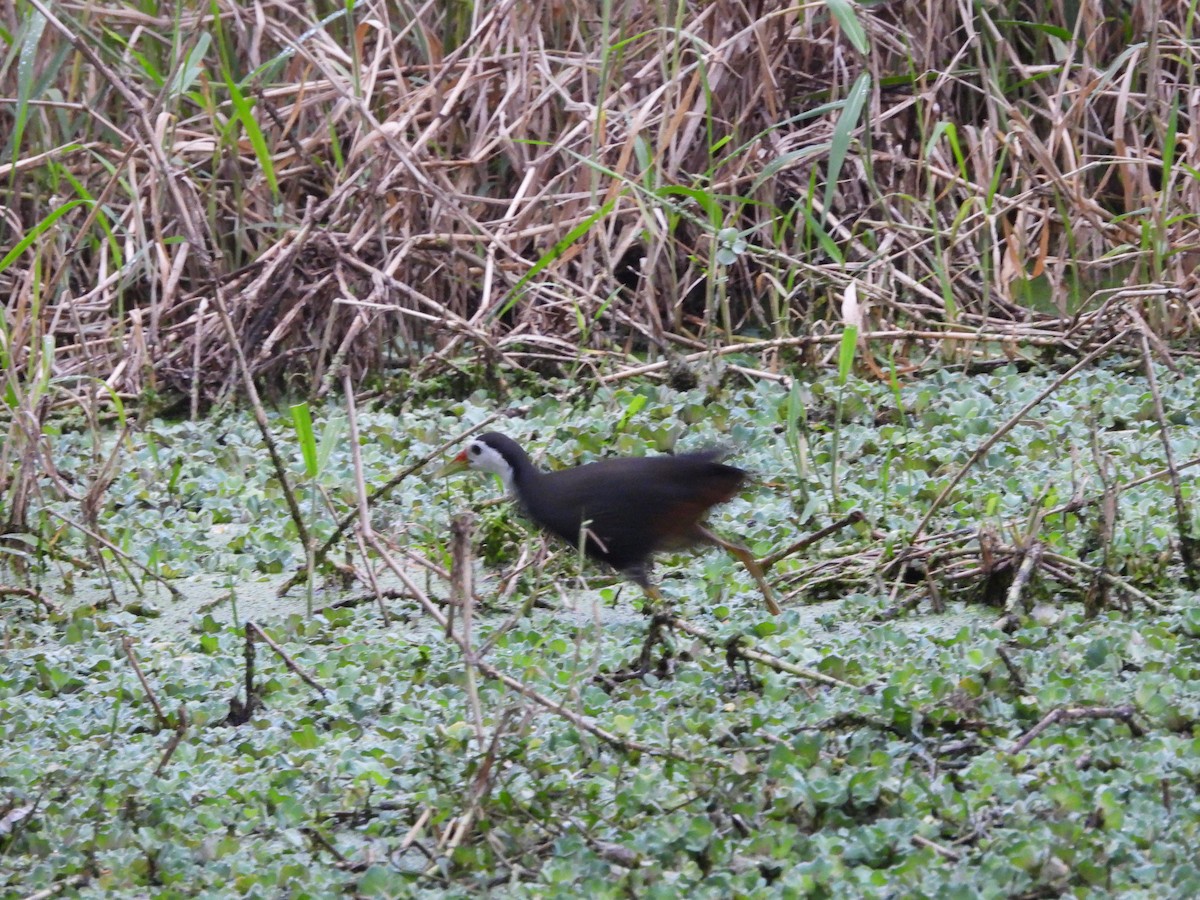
x,y
485,458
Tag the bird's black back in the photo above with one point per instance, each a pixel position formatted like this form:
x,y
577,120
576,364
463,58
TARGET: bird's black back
x,y
633,507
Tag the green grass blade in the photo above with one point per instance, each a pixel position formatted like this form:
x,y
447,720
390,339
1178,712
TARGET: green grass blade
x,y
796,426
26,75
635,406
38,230
308,442
193,64
331,436
843,133
244,110
843,11
846,353
554,253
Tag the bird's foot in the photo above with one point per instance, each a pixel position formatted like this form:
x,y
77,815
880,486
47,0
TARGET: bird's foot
x,y
659,633
646,664
656,604
745,679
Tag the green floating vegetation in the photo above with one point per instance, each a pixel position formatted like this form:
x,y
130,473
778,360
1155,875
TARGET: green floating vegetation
x,y
971,757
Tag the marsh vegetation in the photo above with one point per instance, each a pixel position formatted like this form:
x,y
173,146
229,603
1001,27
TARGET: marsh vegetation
x,y
928,269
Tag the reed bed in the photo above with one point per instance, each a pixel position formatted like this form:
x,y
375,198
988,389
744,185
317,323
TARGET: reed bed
x,y
529,184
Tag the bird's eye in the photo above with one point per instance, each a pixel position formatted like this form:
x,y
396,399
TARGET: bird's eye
x,y
474,449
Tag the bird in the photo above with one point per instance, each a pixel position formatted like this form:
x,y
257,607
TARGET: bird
x,y
624,510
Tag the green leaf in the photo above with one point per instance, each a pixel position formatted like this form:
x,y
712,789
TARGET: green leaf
x,y
636,404
308,443
193,64
846,348
623,724
846,14
306,737
378,881
843,133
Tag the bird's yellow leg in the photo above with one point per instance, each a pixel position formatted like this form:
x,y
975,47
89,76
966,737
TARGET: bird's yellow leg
x,y
747,559
658,603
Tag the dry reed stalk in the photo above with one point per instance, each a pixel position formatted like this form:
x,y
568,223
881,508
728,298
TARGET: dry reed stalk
x,y
516,179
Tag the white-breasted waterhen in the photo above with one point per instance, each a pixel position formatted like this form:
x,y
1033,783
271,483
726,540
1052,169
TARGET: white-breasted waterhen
x,y
627,509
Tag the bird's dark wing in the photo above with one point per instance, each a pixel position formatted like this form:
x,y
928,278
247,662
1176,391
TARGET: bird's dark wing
x,y
633,506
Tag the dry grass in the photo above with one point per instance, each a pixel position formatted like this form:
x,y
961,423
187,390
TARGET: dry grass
x,y
526,181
